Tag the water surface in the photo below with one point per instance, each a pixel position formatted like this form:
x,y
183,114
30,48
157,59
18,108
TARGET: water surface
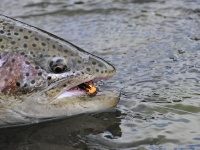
x,y
155,47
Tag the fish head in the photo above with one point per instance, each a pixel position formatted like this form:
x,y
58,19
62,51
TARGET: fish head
x,y
44,76
60,94
67,70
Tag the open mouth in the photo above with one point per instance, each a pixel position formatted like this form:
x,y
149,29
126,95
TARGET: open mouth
x,y
86,88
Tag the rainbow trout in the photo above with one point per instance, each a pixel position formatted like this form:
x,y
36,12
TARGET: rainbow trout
x,y
44,77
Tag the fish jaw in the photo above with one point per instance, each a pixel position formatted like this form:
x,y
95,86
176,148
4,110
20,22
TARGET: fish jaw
x,y
65,107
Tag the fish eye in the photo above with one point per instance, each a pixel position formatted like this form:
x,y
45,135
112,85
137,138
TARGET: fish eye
x,y
58,65
58,68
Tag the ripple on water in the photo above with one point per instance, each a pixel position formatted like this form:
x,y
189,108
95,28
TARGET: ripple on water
x,y
154,46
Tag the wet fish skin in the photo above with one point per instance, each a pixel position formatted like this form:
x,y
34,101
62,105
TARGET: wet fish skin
x,y
41,49
36,68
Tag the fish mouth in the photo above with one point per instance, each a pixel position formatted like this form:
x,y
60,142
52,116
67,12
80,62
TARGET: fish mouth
x,y
87,88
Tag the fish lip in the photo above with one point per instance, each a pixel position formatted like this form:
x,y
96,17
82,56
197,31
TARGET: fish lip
x,y
102,101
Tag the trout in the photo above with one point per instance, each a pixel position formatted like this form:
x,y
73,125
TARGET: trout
x,y
44,77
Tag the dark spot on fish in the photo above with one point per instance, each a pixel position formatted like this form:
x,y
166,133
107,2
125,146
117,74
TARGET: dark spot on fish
x,y
40,73
25,45
48,39
66,51
27,74
79,2
105,71
17,84
2,32
34,45
94,63
33,81
11,27
49,78
1,40
36,39
13,60
79,61
25,85
10,69
36,67
21,30
9,34
2,46
16,33
60,45
101,71
13,42
100,65
41,55
8,30
5,23
27,62
53,46
31,52
25,37
59,61
97,70
6,79
22,53
43,44
88,69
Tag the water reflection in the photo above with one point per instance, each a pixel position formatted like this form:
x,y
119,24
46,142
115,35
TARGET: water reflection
x,y
61,134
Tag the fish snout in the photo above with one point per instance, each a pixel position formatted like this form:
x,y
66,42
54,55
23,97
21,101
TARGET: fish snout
x,y
99,68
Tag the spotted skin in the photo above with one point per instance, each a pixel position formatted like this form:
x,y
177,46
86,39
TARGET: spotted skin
x,y
36,66
18,75
42,48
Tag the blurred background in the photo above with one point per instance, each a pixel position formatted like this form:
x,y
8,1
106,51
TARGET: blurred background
x,y
155,47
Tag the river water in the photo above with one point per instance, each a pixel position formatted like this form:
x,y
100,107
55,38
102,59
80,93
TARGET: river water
x,y
155,47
